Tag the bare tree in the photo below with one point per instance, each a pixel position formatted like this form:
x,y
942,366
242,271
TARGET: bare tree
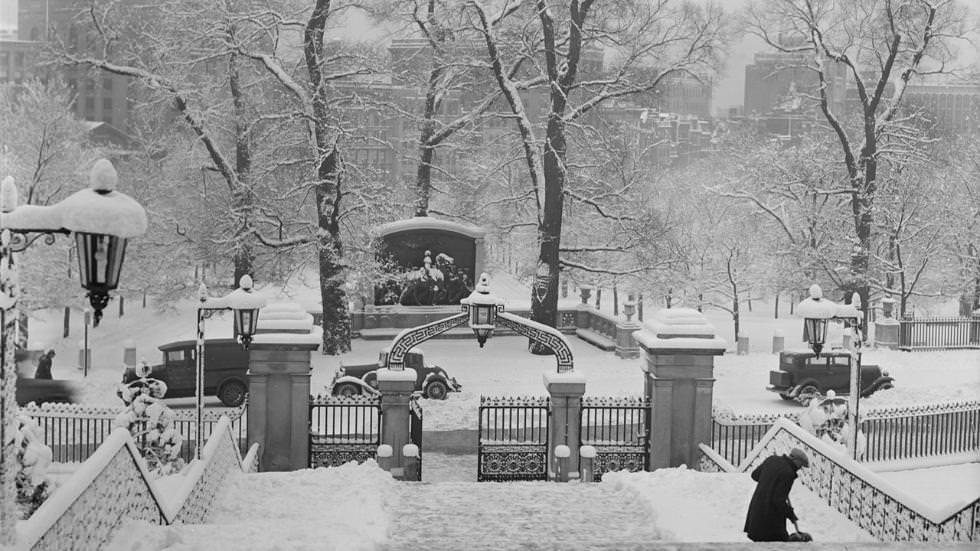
x,y
882,47
649,41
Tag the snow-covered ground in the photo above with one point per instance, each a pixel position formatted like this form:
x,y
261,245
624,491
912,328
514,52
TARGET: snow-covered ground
x,y
356,507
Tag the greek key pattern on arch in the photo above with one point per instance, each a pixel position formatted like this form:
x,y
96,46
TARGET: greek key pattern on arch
x,y
548,336
417,335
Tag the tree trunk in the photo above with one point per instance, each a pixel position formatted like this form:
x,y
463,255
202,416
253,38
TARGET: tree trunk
x,y
336,318
423,177
775,310
615,300
544,295
244,257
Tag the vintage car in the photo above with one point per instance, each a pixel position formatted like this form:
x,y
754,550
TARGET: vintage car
x,y
42,391
225,365
803,376
431,380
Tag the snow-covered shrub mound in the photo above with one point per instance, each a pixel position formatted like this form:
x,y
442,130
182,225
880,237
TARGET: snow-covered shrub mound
x,y
33,461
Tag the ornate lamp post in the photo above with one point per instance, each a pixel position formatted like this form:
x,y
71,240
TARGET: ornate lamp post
x,y
482,308
246,305
817,312
102,220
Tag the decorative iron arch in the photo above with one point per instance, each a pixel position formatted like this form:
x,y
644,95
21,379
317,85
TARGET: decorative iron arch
x,y
538,332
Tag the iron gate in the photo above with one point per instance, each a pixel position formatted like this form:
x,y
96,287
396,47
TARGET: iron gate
x,y
343,429
619,430
513,441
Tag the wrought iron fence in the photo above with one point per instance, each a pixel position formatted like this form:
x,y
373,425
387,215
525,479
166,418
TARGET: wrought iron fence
x,y
343,429
922,431
865,500
917,431
75,431
941,333
619,430
513,438
734,436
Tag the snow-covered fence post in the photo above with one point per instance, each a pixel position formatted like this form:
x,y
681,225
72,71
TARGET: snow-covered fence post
x,y
626,346
680,346
587,455
566,390
562,458
778,341
583,310
412,463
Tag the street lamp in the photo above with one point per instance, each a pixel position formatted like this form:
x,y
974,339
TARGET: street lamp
x,y
245,306
817,312
102,221
482,308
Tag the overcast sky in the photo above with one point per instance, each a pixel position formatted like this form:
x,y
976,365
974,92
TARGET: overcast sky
x,y
729,89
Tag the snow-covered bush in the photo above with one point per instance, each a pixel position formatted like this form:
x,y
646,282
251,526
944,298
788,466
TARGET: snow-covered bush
x,y
33,461
827,419
151,423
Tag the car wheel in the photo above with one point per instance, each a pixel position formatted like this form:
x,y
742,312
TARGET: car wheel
x,y
786,397
346,389
232,393
807,394
436,390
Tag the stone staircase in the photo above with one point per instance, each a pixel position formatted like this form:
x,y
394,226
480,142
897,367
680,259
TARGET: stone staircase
x,y
519,515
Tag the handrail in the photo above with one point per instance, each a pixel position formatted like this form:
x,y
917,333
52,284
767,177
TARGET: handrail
x,y
863,496
117,469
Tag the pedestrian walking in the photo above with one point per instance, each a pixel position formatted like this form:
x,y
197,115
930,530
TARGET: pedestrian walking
x,y
770,506
43,370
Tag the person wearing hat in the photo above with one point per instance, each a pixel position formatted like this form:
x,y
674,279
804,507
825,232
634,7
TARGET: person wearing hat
x,y
770,506
43,370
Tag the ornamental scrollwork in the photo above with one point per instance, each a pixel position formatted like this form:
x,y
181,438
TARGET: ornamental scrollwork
x,y
409,338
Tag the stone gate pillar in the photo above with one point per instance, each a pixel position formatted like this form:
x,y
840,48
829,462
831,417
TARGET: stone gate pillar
x,y
679,345
279,386
566,390
396,388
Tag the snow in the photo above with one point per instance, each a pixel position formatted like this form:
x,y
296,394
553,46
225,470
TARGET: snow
x,y
97,209
429,223
406,374
939,488
690,506
567,377
342,508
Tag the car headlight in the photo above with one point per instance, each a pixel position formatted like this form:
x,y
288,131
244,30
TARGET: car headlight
x,y
341,372
884,373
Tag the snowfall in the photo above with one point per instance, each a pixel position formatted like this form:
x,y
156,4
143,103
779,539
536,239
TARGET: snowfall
x,y
357,506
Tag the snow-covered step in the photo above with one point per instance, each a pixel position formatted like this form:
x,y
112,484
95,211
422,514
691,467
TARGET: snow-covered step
x,y
518,515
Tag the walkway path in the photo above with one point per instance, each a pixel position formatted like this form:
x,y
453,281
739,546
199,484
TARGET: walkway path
x,y
525,515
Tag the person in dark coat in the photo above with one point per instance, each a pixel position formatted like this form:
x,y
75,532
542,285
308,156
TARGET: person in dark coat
x,y
770,506
43,370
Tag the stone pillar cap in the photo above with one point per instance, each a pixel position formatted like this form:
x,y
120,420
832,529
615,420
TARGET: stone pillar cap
x,y
679,328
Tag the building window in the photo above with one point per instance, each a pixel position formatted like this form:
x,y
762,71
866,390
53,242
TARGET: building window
x,y
89,107
106,105
107,83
